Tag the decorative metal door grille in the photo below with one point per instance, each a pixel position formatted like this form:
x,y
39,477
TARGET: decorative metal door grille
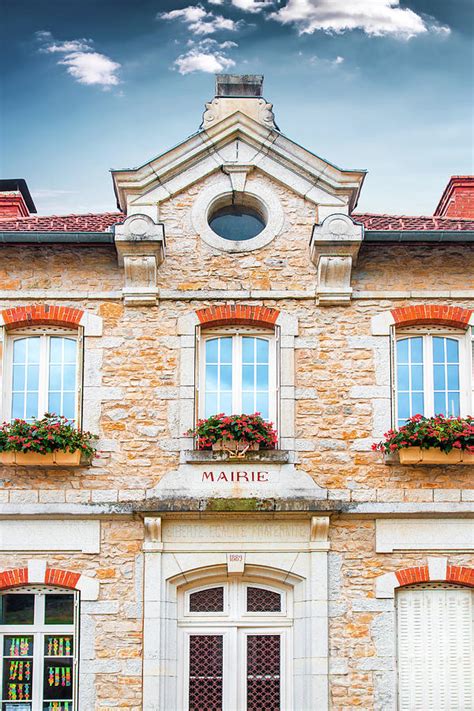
x,y
205,672
260,600
210,600
263,672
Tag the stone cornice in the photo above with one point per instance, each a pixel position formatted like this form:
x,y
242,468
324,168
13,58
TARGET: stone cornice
x,y
183,165
184,505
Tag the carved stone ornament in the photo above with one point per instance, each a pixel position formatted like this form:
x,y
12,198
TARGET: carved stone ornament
x,y
334,248
256,108
238,175
319,529
153,540
140,245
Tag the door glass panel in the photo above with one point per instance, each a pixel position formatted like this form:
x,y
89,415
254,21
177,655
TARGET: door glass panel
x,y
62,376
410,390
263,672
218,376
17,671
57,683
255,376
59,609
446,376
205,672
25,377
17,609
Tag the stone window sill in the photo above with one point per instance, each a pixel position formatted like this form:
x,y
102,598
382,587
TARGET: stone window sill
x,y
272,456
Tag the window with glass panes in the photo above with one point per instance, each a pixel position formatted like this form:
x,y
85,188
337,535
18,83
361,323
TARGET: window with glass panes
x,y
238,374
43,374
431,375
38,640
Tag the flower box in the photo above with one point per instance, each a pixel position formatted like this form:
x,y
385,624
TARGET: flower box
x,y
51,441
234,434
430,440
417,455
233,447
34,459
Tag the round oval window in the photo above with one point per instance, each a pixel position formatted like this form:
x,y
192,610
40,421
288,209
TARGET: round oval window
x,y
236,222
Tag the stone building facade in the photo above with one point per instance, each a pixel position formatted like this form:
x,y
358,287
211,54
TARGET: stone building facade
x,y
313,576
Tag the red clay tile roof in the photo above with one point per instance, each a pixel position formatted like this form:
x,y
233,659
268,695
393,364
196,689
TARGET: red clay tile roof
x,y
62,223
102,223
396,223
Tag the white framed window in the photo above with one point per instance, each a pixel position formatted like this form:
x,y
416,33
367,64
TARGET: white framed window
x,y
39,641
432,373
435,641
42,373
238,372
235,651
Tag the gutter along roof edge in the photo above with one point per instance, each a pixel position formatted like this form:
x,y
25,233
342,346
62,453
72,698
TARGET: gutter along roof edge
x,y
33,237
42,237
418,235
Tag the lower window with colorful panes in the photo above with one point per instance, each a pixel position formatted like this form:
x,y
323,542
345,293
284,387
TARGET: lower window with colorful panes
x,y
39,644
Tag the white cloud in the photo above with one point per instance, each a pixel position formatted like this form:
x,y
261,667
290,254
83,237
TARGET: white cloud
x,y
247,5
72,46
322,63
374,17
92,68
252,5
199,20
84,64
203,59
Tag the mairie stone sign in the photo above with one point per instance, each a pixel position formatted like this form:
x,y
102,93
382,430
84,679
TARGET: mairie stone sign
x,y
239,480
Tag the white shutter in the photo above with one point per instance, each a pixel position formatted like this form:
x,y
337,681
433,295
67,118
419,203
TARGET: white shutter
x,y
471,411
393,377
197,379
435,649
80,376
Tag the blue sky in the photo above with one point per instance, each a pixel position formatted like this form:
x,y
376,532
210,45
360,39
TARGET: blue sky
x,y
90,85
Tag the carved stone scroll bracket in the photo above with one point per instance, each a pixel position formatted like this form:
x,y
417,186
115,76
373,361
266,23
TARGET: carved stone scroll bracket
x,y
319,532
153,541
334,249
140,244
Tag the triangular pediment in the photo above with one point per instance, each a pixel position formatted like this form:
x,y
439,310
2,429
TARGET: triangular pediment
x,y
237,139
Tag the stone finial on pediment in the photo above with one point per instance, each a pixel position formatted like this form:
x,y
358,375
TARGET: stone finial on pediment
x,y
140,245
255,107
334,249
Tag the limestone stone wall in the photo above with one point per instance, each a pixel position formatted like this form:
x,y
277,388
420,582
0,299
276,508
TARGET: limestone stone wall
x,y
111,627
361,626
341,408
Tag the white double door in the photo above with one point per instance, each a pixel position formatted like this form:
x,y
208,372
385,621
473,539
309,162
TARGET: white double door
x,y
235,668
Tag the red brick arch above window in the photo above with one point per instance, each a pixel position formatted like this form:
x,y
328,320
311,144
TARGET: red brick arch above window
x,y
437,570
422,314
41,314
52,576
421,574
237,314
38,573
